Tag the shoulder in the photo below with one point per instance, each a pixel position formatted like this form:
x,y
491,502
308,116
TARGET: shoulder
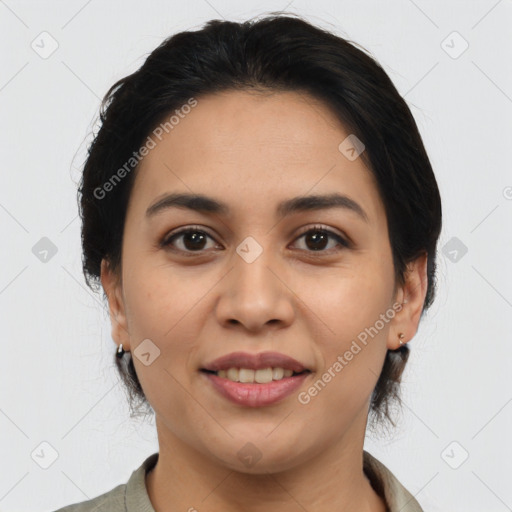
x,y
113,501
385,483
129,497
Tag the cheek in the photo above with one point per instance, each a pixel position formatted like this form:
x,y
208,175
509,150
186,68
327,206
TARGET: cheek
x,y
164,313
162,309
356,316
350,300
158,297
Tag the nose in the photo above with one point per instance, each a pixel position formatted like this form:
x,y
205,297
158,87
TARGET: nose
x,y
255,295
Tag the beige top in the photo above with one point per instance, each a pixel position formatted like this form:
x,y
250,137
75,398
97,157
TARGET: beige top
x,y
133,496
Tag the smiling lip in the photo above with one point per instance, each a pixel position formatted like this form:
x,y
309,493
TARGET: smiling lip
x,y
255,362
253,394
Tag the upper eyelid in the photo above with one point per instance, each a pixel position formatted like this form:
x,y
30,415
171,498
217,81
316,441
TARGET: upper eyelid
x,y
319,227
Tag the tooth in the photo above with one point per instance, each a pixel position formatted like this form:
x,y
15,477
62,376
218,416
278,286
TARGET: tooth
x,y
246,375
277,373
232,374
263,376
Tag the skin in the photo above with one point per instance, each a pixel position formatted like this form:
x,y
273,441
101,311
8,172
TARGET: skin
x,y
253,151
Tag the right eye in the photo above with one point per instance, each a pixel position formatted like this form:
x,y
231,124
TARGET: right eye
x,y
192,240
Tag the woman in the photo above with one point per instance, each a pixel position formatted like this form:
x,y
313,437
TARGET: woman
x,y
262,215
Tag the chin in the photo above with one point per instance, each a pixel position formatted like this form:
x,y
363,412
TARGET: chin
x,y
247,454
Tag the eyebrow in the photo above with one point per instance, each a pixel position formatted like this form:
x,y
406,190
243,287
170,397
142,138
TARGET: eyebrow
x,y
204,204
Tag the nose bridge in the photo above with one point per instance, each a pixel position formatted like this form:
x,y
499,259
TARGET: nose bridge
x,y
253,293
255,268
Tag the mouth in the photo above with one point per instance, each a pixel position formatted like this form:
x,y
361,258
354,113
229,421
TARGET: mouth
x,y
255,380
253,387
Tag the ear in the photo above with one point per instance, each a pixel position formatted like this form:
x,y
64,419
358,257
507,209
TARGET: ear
x,y
112,285
412,292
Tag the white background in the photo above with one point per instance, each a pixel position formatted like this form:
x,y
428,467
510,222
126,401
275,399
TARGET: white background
x,y
58,381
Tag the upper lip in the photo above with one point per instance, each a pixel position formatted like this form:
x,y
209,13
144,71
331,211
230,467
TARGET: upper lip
x,y
255,362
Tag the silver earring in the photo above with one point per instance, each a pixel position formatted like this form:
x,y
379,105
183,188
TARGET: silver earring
x,y
120,351
401,336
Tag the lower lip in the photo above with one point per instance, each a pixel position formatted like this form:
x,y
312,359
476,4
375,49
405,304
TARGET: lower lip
x,y
256,395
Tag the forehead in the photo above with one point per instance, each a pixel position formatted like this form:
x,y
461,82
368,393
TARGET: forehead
x,y
251,148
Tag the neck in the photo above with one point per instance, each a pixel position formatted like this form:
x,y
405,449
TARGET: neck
x,y
332,480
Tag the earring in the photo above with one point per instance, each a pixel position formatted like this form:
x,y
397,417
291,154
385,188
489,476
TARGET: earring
x,y
120,351
401,336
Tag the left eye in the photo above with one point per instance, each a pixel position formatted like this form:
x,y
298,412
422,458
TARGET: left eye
x,y
193,239
318,235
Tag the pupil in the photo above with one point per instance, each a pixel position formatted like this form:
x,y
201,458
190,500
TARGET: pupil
x,y
196,238
318,236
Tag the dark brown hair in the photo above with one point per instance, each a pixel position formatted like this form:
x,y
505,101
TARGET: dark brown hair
x,y
277,53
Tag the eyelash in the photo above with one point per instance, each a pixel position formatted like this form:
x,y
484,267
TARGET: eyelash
x,y
166,242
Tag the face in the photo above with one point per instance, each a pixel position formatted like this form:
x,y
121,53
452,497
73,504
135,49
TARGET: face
x,y
304,283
